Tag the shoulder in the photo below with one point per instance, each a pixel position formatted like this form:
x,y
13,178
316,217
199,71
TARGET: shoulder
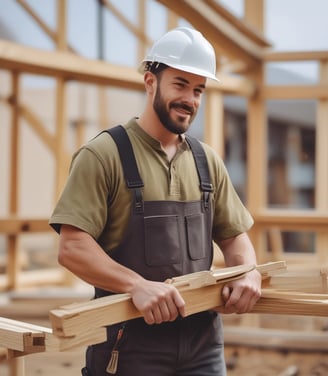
x,y
213,158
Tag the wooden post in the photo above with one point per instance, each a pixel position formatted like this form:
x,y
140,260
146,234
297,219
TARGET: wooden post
x,y
142,21
214,115
13,259
61,126
253,13
257,132
17,366
321,160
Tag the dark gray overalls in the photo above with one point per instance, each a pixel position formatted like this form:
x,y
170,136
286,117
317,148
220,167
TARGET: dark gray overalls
x,y
164,239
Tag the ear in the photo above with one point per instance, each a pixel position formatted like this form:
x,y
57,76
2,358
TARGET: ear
x,y
150,81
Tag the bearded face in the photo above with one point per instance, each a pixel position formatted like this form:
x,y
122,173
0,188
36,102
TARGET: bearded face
x,y
177,108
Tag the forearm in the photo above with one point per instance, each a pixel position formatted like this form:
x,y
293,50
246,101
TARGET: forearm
x,y
241,294
81,254
238,251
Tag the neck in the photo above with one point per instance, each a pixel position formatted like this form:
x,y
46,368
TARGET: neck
x,y
169,141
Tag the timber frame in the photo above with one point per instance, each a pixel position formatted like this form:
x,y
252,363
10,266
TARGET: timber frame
x,y
242,53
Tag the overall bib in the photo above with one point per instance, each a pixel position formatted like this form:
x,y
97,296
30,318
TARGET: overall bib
x,y
164,239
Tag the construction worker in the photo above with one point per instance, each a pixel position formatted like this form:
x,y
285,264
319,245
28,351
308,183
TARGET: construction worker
x,y
142,204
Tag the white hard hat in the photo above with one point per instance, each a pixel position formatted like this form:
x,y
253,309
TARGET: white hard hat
x,y
185,49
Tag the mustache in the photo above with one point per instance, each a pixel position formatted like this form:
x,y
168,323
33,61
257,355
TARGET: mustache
x,y
183,106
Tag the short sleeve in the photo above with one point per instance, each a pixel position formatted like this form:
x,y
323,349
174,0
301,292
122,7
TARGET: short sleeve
x,y
83,202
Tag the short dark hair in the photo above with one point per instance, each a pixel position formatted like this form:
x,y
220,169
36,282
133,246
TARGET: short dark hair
x,y
155,67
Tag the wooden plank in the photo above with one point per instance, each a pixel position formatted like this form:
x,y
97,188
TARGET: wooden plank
x,y
306,280
275,339
17,335
301,307
22,338
201,291
85,338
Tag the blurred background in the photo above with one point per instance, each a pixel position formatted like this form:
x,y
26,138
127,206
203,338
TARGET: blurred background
x,y
68,69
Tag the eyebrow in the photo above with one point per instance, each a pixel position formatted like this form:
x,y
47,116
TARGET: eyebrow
x,y
187,82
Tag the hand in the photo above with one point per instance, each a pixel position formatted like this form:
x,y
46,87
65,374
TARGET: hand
x,y
157,301
240,295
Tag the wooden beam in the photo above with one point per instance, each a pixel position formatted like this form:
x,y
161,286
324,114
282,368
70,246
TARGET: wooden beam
x,y
233,85
71,67
254,13
277,56
61,39
279,305
62,162
301,220
45,28
256,155
227,39
34,121
67,65
23,338
321,186
321,158
295,92
142,9
214,116
14,226
247,26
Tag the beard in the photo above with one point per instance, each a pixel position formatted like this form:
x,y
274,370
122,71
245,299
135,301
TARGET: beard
x,y
178,126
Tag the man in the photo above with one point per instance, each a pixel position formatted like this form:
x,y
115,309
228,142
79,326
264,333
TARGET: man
x,y
143,204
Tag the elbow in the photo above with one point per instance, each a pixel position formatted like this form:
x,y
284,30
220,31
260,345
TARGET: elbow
x,y
63,255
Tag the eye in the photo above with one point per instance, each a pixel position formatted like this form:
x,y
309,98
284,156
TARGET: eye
x,y
198,92
179,85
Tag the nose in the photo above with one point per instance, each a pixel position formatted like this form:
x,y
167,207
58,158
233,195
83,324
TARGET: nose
x,y
189,98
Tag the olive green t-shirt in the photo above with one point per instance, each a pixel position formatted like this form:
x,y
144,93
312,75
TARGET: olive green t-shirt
x,y
95,198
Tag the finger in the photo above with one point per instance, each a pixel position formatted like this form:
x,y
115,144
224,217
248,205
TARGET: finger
x,y
226,293
149,317
157,313
167,310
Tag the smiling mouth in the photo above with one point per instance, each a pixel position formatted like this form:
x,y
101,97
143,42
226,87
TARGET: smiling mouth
x,y
183,109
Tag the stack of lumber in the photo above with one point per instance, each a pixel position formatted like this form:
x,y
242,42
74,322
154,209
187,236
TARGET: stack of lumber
x,y
18,338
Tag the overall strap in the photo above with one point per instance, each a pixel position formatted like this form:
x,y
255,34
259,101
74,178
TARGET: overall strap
x,y
202,167
131,172
129,164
